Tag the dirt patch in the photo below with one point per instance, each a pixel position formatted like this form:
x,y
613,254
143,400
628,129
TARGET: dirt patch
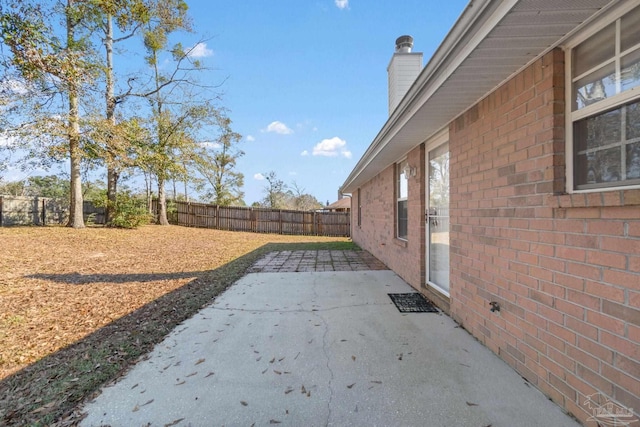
x,y
77,307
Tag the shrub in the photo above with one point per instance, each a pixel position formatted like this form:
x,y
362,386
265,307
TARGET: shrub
x,y
129,211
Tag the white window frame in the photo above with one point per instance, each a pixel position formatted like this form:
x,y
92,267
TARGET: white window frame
x,y
399,171
609,103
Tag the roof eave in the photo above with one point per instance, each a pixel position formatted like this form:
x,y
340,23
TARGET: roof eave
x,y
499,38
467,19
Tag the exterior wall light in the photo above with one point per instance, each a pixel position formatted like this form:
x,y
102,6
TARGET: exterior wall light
x,y
409,170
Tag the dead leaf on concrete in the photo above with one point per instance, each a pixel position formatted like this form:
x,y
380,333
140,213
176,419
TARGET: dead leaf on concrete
x,y
174,422
243,403
351,385
471,404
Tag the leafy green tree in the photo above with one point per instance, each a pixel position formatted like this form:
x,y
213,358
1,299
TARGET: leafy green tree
x,y
129,16
50,186
300,200
169,16
217,165
58,60
279,195
13,188
275,192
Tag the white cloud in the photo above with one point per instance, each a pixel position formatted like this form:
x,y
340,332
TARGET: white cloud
x,y
342,4
14,86
209,144
278,127
258,177
332,147
304,153
250,138
200,51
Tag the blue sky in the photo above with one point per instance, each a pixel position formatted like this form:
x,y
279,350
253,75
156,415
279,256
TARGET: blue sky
x,y
306,81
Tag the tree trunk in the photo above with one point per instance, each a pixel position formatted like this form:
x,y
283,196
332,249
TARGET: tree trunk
x,y
112,170
75,200
162,203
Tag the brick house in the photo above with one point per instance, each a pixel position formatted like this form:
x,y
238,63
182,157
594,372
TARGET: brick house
x,y
505,186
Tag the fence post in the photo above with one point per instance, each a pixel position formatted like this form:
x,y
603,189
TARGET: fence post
x,y
1,212
252,219
44,212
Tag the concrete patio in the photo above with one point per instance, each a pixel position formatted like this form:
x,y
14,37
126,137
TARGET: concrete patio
x,y
300,341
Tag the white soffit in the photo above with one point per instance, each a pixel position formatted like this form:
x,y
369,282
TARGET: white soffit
x,y
490,42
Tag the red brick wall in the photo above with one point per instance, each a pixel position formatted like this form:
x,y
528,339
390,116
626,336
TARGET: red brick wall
x,y
565,269
377,231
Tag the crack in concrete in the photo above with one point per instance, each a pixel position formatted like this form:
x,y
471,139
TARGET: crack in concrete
x,y
325,352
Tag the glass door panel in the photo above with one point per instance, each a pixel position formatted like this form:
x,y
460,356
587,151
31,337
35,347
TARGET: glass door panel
x,y
437,217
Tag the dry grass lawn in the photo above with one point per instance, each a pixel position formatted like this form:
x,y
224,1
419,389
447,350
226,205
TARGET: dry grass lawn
x,y
77,307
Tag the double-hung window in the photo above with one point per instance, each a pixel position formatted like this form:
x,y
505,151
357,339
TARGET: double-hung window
x,y
402,193
604,99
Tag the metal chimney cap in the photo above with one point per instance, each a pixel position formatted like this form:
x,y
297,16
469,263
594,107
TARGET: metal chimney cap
x,y
404,44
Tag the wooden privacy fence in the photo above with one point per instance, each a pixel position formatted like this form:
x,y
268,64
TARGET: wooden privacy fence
x,y
19,210
259,220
